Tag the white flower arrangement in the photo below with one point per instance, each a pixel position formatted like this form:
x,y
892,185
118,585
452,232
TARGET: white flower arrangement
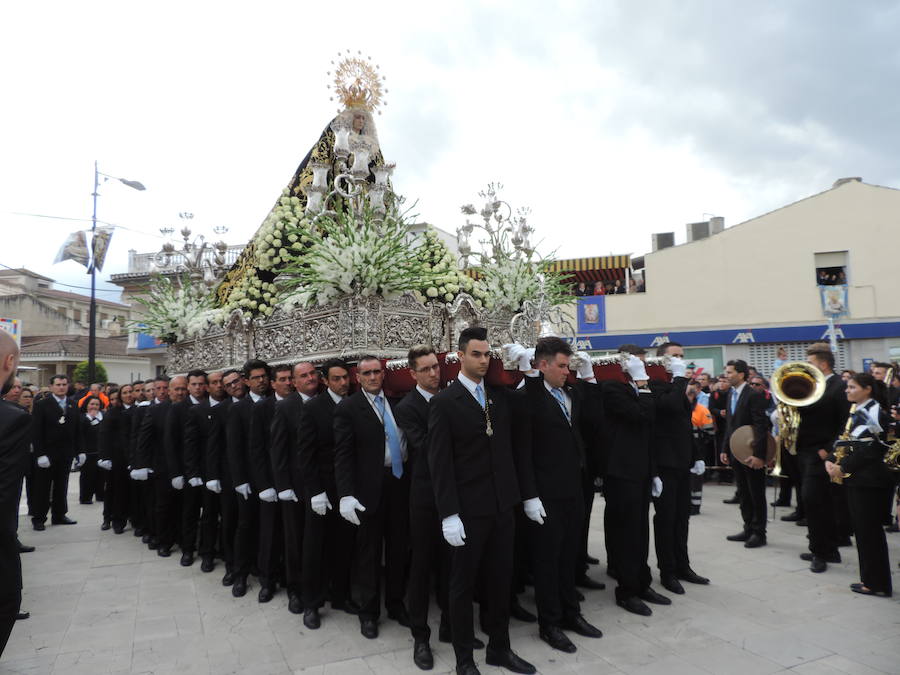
x,y
173,312
443,280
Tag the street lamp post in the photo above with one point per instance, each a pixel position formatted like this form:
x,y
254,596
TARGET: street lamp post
x,y
92,328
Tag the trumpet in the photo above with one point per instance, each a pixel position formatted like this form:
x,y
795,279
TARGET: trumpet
x,y
892,457
796,384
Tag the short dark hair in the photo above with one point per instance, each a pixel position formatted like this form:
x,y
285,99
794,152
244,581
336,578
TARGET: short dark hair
x,y
418,351
548,347
255,364
661,350
197,373
281,367
740,366
822,352
58,376
161,378
230,371
634,350
137,382
471,333
367,357
881,364
333,363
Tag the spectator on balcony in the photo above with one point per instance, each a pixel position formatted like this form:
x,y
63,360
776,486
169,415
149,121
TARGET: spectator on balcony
x,y
581,289
599,288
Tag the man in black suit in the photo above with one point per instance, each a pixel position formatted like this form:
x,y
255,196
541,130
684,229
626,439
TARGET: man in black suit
x,y
186,480
551,447
55,422
820,425
677,457
15,434
152,455
746,406
474,476
115,439
285,458
218,474
370,471
327,538
631,479
256,376
142,495
204,509
270,560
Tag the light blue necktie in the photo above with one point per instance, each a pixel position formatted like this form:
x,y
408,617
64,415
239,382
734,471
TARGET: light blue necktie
x,y
393,438
479,394
734,398
558,395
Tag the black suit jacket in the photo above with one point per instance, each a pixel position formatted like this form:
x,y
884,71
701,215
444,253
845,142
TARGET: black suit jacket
x,y
412,416
283,445
151,443
15,435
89,435
138,413
240,416
195,435
751,408
473,474
216,444
258,450
115,435
673,433
823,421
57,441
629,419
359,450
550,452
176,419
315,438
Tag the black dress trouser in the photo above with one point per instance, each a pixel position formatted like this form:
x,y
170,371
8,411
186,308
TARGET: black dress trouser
x,y
555,546
91,479
752,492
51,486
672,512
293,518
167,511
191,501
867,513
9,607
270,556
327,553
246,535
627,524
118,494
486,556
587,493
818,506
429,554
210,508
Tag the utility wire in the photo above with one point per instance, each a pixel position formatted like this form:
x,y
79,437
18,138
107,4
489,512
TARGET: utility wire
x,y
59,283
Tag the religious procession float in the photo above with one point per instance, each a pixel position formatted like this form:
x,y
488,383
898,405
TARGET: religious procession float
x,y
339,268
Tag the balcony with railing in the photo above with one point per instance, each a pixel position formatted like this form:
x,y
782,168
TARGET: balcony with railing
x,y
144,264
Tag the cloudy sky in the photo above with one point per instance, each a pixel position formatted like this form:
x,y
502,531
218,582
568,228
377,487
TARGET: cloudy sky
x,y
609,119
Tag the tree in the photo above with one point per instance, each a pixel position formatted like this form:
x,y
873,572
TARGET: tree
x,y
80,374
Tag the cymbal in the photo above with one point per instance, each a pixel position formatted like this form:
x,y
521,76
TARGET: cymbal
x,y
741,444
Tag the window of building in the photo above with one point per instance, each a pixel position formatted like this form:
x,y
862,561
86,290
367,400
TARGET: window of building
x,y
831,268
61,310
104,316
76,314
763,356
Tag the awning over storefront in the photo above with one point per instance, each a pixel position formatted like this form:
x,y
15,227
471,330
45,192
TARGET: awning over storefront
x,y
599,268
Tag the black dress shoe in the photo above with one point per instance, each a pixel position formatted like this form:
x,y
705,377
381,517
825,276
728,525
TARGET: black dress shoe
x,y
239,587
153,544
507,658
65,520
21,616
691,576
187,559
579,595
584,581
635,606
649,595
817,565
612,574
228,579
295,604
118,529
516,611
106,525
266,593
38,525
740,536
846,541
554,637
422,656
755,541
467,669
146,538
164,551
582,627
732,500
311,618
139,532
23,548
208,564
400,615
368,628
695,510
830,558
671,583
792,517
801,523
591,560
780,503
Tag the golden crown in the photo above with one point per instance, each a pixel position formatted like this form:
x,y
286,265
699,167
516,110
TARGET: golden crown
x,y
357,82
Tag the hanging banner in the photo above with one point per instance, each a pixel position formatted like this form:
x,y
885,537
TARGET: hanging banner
x,y
834,301
13,327
74,248
100,244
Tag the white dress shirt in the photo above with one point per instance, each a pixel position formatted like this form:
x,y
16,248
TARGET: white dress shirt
x,y
388,413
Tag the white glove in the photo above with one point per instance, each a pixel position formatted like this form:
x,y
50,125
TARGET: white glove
x,y
585,368
139,474
699,468
214,486
269,495
348,507
196,481
534,509
677,366
43,461
320,504
521,355
243,490
453,529
178,482
82,458
287,496
656,487
635,367
105,464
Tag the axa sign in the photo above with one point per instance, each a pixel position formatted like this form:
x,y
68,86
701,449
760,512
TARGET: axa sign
x,y
743,338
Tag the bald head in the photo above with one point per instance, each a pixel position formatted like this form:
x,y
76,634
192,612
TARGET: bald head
x,y
9,361
178,389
